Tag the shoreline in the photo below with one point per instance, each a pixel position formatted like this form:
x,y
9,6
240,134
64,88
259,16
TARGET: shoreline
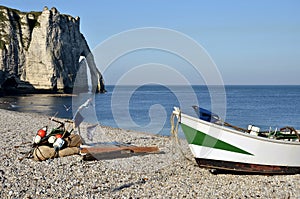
x,y
165,175
50,94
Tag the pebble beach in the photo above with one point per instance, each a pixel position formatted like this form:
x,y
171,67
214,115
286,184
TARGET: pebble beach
x,y
167,174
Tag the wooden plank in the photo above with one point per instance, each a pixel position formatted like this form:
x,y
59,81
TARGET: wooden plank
x,y
113,152
133,149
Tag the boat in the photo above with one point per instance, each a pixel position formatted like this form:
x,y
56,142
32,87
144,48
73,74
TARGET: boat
x,y
220,146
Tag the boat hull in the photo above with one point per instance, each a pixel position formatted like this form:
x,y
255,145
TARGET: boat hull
x,y
218,147
245,167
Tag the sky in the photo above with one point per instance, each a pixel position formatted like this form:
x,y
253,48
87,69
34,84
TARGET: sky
x,y
251,42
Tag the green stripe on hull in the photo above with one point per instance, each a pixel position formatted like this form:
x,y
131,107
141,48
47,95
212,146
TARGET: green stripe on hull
x,y
199,138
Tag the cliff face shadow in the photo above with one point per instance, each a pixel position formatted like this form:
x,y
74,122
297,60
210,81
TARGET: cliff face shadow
x,y
14,86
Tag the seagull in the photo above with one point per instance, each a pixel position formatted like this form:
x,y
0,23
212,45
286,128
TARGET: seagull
x,y
13,105
67,108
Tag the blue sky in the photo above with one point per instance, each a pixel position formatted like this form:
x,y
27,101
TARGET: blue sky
x,y
251,42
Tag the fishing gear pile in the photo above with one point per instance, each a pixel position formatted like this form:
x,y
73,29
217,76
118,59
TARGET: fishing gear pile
x,y
58,143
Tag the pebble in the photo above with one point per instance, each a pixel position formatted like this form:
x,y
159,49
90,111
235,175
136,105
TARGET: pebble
x,y
166,175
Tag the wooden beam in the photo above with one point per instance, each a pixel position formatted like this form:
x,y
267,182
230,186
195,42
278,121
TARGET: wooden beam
x,y
133,149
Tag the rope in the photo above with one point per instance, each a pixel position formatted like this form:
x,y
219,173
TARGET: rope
x,y
235,127
291,131
27,154
174,134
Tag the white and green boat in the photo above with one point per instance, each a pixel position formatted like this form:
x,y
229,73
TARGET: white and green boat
x,y
216,144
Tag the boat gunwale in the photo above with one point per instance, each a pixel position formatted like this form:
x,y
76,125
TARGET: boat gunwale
x,y
223,128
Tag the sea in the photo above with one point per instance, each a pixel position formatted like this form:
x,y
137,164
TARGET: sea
x,y
148,108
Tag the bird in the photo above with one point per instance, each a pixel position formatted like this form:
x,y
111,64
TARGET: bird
x,y
67,108
13,105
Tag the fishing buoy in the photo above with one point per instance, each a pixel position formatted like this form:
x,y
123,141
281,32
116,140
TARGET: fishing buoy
x,y
51,139
58,136
37,139
58,144
40,134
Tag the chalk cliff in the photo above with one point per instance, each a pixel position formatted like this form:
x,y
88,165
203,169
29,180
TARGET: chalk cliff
x,y
41,50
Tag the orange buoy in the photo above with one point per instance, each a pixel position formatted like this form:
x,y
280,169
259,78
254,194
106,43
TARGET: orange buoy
x,y
58,136
41,133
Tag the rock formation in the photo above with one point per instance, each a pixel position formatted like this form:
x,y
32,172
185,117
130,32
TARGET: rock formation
x,y
42,50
